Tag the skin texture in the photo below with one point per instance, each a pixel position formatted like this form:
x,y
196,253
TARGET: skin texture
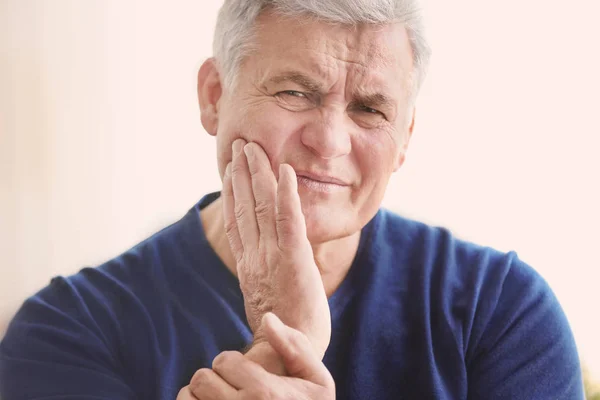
x,y
233,376
267,236
328,132
322,106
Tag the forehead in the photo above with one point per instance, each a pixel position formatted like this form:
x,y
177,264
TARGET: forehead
x,y
375,53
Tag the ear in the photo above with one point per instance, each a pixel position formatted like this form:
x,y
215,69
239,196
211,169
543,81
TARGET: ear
x,y
209,94
402,154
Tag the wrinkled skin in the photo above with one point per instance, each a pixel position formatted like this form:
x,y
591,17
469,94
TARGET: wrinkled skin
x,y
327,108
330,101
267,235
234,377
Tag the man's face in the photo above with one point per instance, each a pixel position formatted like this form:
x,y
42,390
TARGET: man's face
x,y
334,103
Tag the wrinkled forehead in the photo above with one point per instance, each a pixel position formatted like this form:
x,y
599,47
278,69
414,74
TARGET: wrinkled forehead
x,y
373,52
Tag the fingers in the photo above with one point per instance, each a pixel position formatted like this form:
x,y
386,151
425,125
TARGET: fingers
x,y
206,384
249,194
186,394
264,187
239,371
243,197
231,226
290,224
295,349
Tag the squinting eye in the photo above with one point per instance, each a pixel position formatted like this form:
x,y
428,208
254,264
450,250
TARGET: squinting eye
x,y
370,110
293,93
293,100
367,117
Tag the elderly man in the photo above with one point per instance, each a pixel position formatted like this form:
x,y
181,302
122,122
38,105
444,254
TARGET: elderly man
x,y
292,283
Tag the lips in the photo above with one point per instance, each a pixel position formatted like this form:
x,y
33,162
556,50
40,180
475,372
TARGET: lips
x,y
321,178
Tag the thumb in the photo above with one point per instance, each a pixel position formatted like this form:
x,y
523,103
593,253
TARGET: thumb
x,y
296,351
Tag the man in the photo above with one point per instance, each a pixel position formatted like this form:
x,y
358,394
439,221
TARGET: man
x,y
292,282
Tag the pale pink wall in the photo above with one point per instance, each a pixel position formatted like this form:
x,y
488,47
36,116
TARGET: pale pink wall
x,y
100,141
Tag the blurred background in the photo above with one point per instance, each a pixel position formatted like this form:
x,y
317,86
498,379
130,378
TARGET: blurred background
x,y
101,143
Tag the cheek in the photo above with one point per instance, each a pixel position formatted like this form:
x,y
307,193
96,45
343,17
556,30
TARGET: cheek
x,y
376,156
263,123
272,128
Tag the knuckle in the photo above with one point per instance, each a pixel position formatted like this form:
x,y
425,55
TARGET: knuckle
x,y
288,224
245,270
239,211
201,376
285,218
184,393
231,230
224,359
237,168
263,209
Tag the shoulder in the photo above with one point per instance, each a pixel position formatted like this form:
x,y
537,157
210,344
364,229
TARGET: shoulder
x,y
470,286
513,335
80,325
79,296
439,253
117,284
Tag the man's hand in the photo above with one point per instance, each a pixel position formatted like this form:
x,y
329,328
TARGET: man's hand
x,y
267,234
236,377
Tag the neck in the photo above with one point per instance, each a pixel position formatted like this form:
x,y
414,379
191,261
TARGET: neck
x,y
333,258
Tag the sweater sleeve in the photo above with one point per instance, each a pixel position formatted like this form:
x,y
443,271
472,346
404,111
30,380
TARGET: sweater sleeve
x,y
527,350
52,350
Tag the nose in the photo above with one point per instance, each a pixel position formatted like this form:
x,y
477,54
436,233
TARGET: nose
x,y
328,136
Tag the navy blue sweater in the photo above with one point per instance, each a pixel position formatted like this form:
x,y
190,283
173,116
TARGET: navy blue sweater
x,y
421,315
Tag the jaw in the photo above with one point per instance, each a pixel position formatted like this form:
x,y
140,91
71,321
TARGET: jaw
x,y
327,219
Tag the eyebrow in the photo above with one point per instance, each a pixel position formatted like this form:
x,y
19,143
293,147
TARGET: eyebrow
x,y
299,79
311,85
375,99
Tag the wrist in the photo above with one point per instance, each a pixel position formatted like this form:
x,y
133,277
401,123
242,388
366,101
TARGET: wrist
x,y
263,354
319,343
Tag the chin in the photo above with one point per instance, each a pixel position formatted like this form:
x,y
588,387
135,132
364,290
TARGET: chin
x,y
325,222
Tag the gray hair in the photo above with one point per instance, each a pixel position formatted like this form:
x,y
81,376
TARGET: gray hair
x,y
237,20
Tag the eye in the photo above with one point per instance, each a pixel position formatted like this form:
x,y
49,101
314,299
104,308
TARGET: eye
x,y
292,93
293,100
367,117
370,110
368,113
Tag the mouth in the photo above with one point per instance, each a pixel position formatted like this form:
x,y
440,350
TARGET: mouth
x,y
320,183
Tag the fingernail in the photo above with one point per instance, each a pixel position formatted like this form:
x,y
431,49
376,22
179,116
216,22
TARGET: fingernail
x,y
249,151
228,170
